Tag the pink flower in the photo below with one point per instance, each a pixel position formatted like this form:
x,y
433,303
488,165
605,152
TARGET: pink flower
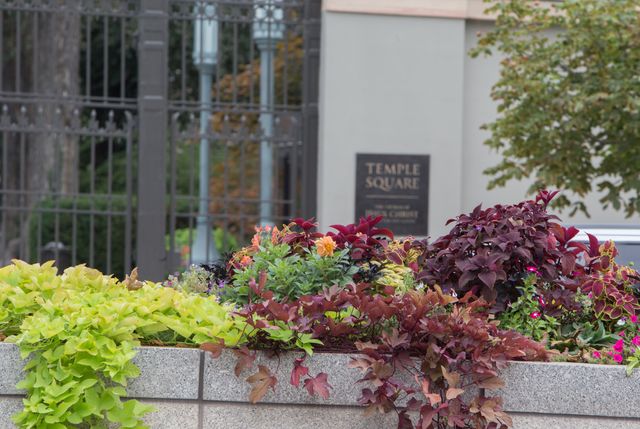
x,y
535,315
634,319
619,346
534,270
596,354
590,295
621,334
617,358
636,341
541,302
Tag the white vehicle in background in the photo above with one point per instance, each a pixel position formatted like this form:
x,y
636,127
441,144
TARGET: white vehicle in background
x,y
625,237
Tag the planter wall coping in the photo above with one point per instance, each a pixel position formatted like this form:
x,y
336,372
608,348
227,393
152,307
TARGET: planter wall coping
x,y
193,375
571,388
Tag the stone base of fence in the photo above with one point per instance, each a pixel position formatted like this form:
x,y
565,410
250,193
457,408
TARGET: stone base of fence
x,y
191,391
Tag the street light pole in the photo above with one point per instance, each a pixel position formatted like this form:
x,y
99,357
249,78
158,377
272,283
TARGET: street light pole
x,y
268,29
205,52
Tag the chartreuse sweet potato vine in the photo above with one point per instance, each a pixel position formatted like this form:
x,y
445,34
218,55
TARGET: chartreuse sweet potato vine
x,y
79,332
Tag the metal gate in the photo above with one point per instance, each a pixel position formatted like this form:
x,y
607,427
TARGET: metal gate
x,y
153,133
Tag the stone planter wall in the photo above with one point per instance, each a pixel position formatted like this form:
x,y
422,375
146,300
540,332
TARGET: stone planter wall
x,y
191,391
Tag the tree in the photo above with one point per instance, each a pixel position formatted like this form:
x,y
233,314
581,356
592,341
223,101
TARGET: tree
x,y
568,98
58,61
50,46
240,163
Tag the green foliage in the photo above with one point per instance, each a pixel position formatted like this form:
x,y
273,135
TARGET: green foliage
x,y
581,332
79,332
568,97
578,339
290,275
575,334
290,339
594,335
223,241
631,347
60,211
525,314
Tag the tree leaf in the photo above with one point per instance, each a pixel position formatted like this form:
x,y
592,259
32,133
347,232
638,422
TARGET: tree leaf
x,y
453,392
491,383
245,360
261,381
453,378
298,371
318,385
214,348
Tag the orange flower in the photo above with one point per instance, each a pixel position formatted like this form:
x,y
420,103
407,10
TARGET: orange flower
x,y
246,261
325,246
255,241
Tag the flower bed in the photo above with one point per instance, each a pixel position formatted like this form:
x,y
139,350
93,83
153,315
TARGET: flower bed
x,y
425,330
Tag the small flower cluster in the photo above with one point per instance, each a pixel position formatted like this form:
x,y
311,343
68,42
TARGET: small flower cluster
x,y
533,270
527,314
628,343
265,235
196,279
270,236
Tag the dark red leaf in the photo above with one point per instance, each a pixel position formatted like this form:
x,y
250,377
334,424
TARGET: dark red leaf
x,y
488,278
245,360
298,371
318,385
404,421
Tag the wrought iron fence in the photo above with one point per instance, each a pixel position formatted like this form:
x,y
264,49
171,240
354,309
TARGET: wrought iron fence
x,y
52,214
130,128
67,133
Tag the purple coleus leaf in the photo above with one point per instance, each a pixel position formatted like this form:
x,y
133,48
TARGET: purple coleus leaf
x,y
488,278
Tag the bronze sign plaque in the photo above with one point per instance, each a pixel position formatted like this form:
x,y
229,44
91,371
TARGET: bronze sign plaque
x,y
395,187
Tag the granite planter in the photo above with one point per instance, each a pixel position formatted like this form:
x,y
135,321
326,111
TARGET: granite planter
x,y
192,390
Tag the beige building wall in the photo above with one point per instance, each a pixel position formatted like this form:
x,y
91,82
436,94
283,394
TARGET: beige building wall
x,y
396,78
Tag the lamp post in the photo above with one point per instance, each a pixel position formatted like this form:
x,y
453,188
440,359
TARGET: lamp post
x,y
205,54
268,29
